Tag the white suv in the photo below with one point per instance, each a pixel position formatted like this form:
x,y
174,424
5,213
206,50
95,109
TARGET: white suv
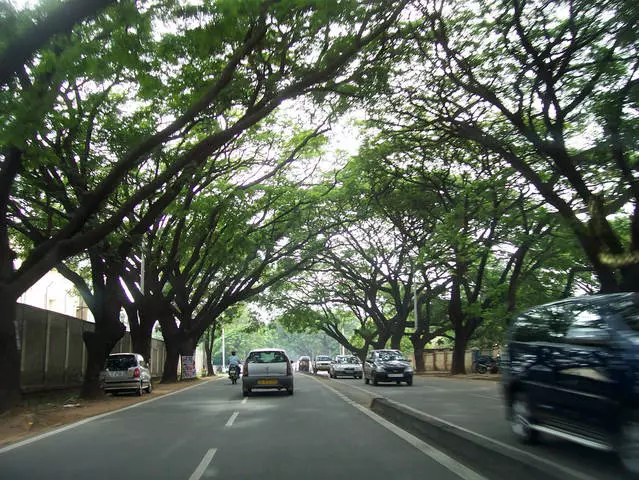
x,y
267,368
322,363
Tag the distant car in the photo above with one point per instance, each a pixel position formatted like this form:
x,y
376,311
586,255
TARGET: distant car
x,y
387,366
345,366
571,370
304,363
267,368
126,372
322,363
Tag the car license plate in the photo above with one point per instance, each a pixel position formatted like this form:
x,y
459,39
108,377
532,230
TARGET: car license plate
x,y
395,375
267,382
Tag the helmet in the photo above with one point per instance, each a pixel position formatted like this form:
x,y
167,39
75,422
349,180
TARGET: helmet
x,y
233,352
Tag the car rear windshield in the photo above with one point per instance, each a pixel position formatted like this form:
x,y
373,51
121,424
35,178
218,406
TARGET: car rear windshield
x,y
121,362
266,357
386,356
347,360
628,310
322,358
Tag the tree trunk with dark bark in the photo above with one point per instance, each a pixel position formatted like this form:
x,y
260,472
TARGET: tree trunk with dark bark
x,y
396,338
169,375
9,354
459,350
141,341
420,366
176,344
208,348
99,345
381,341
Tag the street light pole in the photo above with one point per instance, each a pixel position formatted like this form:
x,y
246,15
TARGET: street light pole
x,y
416,312
223,349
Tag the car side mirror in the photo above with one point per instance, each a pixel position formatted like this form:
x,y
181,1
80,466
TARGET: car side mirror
x,y
587,336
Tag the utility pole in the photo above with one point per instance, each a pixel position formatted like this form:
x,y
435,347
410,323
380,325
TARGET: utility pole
x,y
416,312
223,350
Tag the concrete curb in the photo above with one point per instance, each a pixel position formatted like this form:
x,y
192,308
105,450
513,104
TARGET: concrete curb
x,y
491,458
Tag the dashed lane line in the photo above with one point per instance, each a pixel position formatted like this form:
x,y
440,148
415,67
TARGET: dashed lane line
x,y
204,464
230,421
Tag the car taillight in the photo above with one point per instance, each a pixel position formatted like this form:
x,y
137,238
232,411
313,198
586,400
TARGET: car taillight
x,y
136,373
245,369
289,370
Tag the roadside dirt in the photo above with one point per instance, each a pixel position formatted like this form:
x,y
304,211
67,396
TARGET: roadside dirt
x,y
39,413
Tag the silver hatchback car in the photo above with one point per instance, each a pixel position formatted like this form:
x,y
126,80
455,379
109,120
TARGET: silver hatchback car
x,y
267,368
126,372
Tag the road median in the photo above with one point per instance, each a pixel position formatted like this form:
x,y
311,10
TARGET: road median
x,y
493,459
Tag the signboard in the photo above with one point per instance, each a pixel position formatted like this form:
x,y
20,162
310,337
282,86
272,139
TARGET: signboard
x,y
188,367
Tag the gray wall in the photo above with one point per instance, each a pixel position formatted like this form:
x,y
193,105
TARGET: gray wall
x,y
53,353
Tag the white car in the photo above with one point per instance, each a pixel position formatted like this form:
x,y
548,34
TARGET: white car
x,y
126,372
322,363
345,366
267,368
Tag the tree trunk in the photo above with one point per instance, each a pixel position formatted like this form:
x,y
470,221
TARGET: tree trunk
x,y
177,344
382,338
9,354
208,348
420,366
459,351
396,340
169,375
99,345
141,341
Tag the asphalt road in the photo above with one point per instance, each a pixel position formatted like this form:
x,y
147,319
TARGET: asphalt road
x,y
477,405
211,431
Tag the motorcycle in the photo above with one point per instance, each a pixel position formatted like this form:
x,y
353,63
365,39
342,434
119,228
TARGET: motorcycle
x,y
487,364
234,373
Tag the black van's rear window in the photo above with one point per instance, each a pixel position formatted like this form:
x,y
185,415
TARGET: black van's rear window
x,y
629,312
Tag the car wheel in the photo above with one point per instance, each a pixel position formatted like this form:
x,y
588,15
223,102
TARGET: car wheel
x,y
409,382
140,390
365,379
374,379
521,419
149,389
290,391
628,443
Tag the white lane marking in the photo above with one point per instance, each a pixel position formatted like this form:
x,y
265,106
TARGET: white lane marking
x,y
230,421
244,400
87,420
567,470
440,457
201,468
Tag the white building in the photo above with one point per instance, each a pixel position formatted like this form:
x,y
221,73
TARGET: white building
x,y
55,293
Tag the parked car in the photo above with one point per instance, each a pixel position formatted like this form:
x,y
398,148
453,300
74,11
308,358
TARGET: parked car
x,y
322,363
267,368
126,372
571,370
304,363
345,366
387,366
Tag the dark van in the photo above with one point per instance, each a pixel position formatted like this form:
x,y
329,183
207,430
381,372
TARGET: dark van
x,y
571,370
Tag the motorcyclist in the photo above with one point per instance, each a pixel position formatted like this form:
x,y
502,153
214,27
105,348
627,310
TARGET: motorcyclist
x,y
234,361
